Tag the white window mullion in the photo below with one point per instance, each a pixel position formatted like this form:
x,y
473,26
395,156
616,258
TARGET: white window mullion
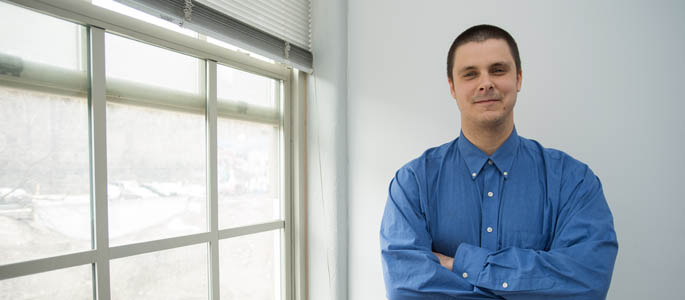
x,y
250,229
98,155
284,91
297,172
48,264
212,181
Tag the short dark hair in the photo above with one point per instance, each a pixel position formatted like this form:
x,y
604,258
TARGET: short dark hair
x,y
481,33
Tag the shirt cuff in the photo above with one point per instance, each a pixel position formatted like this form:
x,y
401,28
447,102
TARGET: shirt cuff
x,y
469,261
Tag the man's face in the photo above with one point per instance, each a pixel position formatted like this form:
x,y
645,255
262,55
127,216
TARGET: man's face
x,y
485,82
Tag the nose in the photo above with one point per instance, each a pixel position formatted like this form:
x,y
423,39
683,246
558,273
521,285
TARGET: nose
x,y
486,85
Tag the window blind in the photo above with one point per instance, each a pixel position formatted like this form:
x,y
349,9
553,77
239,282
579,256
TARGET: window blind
x,y
287,19
277,29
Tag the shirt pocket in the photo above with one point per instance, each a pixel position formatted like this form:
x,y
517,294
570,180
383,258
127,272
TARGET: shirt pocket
x,y
524,240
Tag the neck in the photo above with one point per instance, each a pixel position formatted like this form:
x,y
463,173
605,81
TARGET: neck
x,y
487,139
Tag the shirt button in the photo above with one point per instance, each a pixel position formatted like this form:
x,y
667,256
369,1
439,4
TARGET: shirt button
x,y
473,174
489,229
465,275
489,162
505,285
505,173
490,194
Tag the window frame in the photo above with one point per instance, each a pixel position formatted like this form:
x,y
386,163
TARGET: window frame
x,y
290,117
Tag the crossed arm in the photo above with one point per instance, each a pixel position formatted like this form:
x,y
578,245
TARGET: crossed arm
x,y
578,265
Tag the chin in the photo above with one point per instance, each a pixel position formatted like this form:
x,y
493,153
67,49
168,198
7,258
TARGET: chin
x,y
491,121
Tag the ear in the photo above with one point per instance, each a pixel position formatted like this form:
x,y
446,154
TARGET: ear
x,y
449,81
519,79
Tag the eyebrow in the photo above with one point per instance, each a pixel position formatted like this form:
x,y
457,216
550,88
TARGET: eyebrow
x,y
500,64
496,64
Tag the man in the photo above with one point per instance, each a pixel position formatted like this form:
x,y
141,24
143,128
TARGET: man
x,y
492,215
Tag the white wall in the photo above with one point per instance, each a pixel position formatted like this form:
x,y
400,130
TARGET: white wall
x,y
601,81
327,153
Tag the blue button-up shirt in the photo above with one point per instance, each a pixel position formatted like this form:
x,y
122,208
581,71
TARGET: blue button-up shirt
x,y
525,223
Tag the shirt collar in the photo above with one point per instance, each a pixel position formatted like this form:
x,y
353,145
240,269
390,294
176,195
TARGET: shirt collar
x,y
503,158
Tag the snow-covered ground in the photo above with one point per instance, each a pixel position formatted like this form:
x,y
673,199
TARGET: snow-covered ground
x,y
37,226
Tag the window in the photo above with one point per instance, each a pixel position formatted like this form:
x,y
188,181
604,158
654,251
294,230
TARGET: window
x,y
50,285
136,169
247,156
179,273
250,266
44,188
156,178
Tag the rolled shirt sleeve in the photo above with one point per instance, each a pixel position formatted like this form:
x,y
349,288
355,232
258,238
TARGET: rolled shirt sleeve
x,y
410,269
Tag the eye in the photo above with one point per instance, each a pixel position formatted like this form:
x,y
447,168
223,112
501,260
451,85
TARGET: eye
x,y
498,71
469,75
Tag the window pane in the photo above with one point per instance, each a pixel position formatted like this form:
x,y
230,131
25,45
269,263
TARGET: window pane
x,y
138,63
179,273
41,39
44,177
156,152
250,266
238,86
248,172
156,173
69,284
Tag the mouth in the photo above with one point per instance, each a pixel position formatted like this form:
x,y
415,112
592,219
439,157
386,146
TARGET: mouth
x,y
486,101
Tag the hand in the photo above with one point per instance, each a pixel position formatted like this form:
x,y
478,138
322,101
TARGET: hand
x,y
445,260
